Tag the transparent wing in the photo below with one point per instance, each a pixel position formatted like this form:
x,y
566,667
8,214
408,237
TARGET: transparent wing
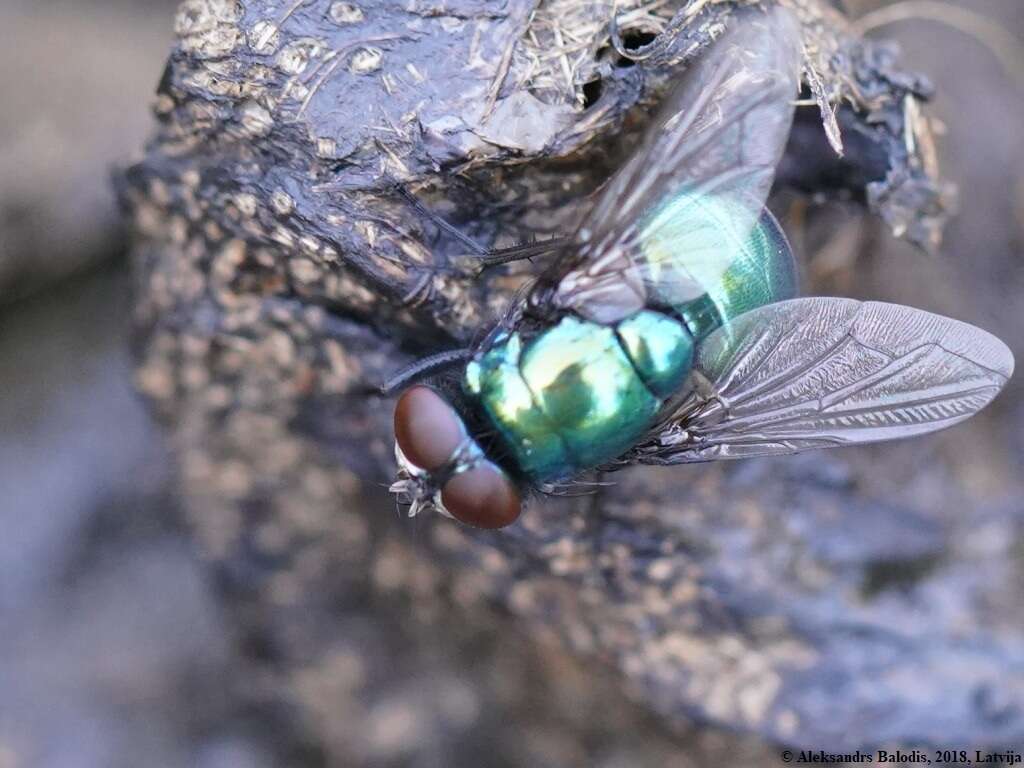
x,y
822,372
684,207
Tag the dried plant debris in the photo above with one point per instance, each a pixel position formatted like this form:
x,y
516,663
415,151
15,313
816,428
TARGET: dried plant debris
x,y
287,264
288,126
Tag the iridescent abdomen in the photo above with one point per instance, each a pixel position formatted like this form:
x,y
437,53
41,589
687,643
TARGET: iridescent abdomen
x,y
580,393
729,267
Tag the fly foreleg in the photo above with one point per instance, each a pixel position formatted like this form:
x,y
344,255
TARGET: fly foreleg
x,y
477,258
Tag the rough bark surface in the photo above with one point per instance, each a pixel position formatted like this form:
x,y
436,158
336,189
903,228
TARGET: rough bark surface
x,y
813,601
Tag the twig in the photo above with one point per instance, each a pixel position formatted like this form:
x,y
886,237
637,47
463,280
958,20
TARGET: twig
x,y
828,112
499,76
272,29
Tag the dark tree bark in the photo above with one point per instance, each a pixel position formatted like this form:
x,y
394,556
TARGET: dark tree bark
x,y
281,278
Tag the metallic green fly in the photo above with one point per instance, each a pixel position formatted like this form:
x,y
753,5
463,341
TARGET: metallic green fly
x,y
668,330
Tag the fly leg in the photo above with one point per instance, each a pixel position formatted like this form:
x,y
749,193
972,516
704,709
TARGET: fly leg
x,y
519,252
479,258
424,367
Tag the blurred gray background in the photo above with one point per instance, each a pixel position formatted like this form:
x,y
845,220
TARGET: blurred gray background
x,y
113,649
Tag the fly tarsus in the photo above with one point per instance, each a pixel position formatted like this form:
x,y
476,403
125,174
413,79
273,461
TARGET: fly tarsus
x,y
519,252
477,257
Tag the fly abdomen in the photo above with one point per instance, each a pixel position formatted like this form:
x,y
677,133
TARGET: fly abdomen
x,y
580,393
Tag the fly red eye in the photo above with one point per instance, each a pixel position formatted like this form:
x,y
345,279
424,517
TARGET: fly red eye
x,y
483,497
427,429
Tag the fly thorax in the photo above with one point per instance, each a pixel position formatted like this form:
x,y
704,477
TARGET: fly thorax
x,y
580,393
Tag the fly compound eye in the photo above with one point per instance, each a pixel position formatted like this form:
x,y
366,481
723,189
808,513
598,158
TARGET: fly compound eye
x,y
483,497
427,429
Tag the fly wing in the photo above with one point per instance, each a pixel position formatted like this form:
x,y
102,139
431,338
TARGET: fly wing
x,y
698,183
822,372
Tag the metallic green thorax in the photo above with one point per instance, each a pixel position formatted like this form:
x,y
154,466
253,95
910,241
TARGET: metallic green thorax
x,y
581,393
